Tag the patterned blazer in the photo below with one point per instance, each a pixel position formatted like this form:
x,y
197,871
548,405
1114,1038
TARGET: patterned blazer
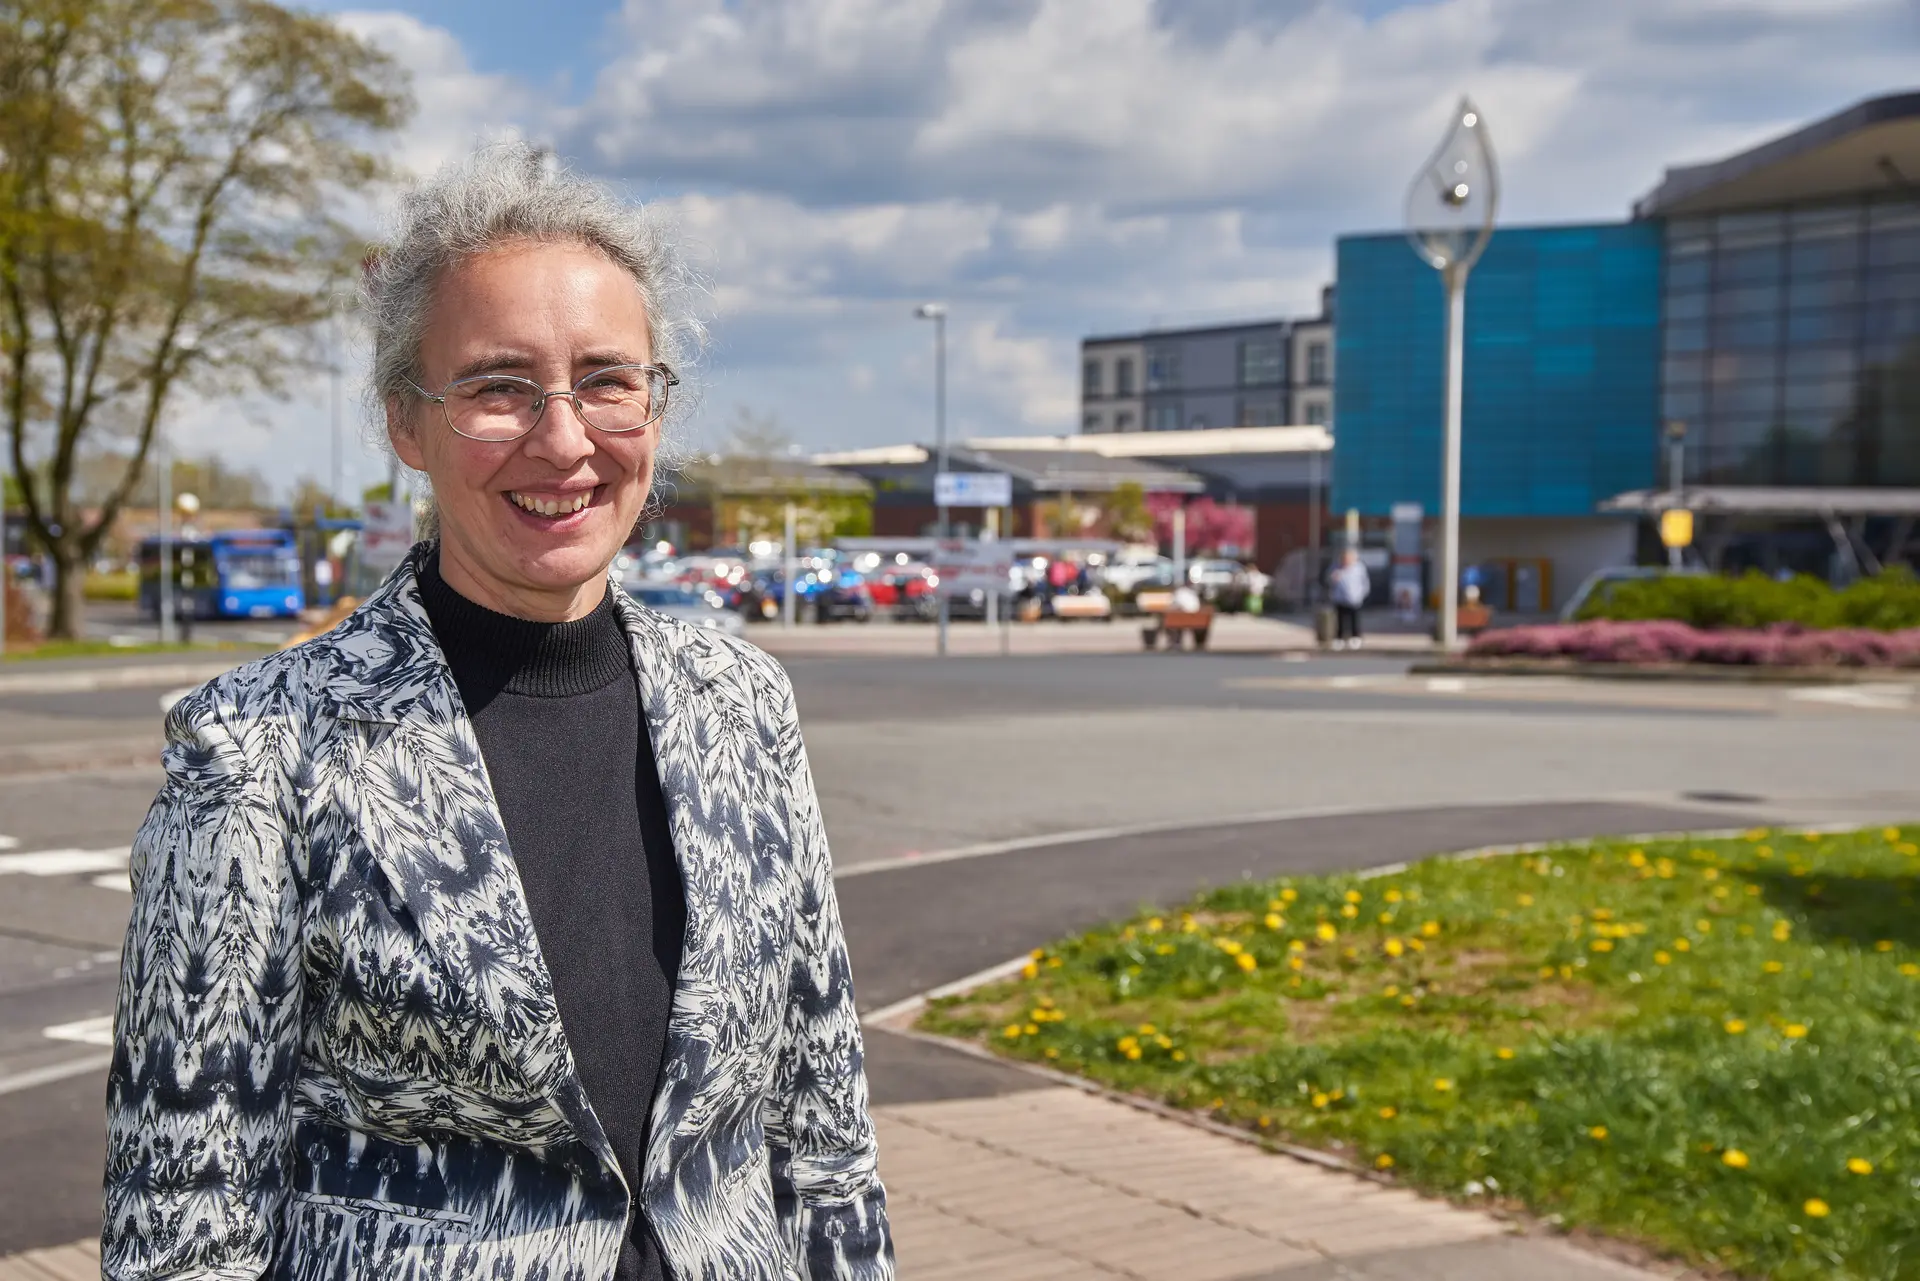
x,y
337,1053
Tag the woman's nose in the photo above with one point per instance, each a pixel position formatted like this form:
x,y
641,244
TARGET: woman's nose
x,y
560,437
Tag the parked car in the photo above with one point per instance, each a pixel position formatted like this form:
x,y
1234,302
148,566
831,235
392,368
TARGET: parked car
x,y
1128,572
903,590
1224,584
686,604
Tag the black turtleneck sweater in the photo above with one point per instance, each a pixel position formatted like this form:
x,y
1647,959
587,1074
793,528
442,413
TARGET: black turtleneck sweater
x,y
557,710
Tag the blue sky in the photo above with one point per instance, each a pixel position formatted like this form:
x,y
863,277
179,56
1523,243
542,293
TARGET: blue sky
x,y
1052,168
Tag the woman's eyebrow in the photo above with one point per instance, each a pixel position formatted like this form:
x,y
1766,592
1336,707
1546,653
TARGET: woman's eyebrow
x,y
603,359
499,362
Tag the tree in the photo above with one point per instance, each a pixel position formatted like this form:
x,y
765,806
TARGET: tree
x,y
166,172
1127,517
1218,528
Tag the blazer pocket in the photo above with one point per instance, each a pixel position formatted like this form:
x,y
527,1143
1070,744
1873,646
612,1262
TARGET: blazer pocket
x,y
336,1238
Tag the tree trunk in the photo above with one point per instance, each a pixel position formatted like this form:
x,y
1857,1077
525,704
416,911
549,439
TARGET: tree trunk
x,y
69,590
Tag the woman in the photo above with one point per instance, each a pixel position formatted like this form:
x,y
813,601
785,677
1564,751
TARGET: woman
x,y
492,935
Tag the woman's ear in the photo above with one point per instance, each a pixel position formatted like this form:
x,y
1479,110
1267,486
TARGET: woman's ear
x,y
400,435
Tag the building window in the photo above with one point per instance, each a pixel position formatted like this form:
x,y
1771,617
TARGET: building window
x,y
1259,411
1317,363
1259,362
1123,376
1163,418
1163,370
1090,421
1198,423
1090,378
1123,421
1315,413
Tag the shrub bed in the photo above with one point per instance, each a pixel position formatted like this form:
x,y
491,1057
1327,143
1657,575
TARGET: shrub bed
x,y
1709,1047
1781,645
1886,602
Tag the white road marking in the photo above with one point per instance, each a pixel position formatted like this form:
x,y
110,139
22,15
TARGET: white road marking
x,y
54,1072
1447,685
120,881
64,862
94,1031
9,842
1873,697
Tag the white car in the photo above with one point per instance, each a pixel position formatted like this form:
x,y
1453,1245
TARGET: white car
x,y
687,604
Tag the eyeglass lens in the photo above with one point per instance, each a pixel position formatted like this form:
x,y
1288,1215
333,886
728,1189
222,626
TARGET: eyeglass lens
x,y
499,407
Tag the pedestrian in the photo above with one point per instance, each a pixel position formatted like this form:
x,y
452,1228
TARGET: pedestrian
x,y
1350,585
493,934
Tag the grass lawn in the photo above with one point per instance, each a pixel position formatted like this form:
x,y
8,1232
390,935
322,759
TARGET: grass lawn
x,y
1711,1047
103,649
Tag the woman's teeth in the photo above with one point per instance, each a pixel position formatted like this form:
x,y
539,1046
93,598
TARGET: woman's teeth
x,y
550,506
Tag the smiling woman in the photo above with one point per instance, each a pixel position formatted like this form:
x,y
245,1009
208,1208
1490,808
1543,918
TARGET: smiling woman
x,y
519,955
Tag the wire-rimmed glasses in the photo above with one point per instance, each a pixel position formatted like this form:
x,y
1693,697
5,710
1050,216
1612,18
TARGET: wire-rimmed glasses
x,y
503,407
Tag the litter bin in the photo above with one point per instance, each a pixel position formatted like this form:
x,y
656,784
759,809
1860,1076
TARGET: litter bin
x,y
1324,625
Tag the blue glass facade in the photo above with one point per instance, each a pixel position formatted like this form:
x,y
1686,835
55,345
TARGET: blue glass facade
x,y
1562,389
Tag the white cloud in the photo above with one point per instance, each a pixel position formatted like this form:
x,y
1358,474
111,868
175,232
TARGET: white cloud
x,y
1058,167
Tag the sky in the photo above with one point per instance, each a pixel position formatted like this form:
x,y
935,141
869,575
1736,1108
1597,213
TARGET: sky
x,y
1054,168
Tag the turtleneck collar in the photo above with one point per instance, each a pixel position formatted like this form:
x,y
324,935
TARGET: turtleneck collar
x,y
500,653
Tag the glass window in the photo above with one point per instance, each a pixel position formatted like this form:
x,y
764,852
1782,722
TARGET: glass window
x,y
1163,418
1893,215
1746,299
1317,363
1684,369
1824,325
1123,376
1818,397
1820,363
1686,402
1824,256
1738,230
1090,421
1090,378
1259,411
1259,362
1686,336
1893,249
1743,366
1684,307
1891,285
1198,422
1316,414
1748,265
1163,370
1760,329
1123,421
1825,291
1687,274
1746,397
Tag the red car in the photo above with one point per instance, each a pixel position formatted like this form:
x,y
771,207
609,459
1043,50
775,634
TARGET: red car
x,y
905,591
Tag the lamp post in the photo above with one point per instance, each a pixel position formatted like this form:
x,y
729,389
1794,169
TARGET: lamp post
x,y
937,313
1676,475
1450,212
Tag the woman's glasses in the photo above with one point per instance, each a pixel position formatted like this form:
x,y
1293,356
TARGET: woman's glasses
x,y
501,407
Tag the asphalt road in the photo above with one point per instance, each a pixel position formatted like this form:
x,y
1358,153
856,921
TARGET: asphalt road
x,y
1196,770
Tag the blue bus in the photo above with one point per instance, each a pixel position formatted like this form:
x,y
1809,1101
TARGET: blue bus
x,y
246,573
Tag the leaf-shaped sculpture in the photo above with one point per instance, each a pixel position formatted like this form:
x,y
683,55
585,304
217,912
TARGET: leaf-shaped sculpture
x,y
1450,206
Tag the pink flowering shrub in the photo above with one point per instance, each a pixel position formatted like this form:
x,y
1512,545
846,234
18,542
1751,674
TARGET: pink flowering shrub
x,y
1782,645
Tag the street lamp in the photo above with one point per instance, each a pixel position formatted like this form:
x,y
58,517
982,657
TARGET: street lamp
x,y
1450,212
937,313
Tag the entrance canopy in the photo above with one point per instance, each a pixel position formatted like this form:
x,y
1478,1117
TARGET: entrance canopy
x,y
1763,500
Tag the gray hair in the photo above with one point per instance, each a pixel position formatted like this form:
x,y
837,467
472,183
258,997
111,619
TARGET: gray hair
x,y
512,192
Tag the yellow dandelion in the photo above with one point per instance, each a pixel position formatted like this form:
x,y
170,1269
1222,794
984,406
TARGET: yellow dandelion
x,y
1703,925
1385,918
1735,1026
1392,989
1682,945
1289,895
1179,1056
1275,921
1353,896
1883,945
1155,925
1030,1030
1442,1084
1407,1001
1164,1041
1734,1158
1662,958
1910,969
1296,963
1349,911
1394,947
1602,914
1246,962
1526,900
1319,1100
1389,1112
1816,1208
1126,1043
1504,1052
1794,1031
1030,971
1431,929
1782,931
1134,1053
1416,945
1325,932
1859,1165
1601,945
1890,833
1164,949
1598,1132
1265,1121
1637,859
1546,971
1148,1029
1383,1162
1012,1032
1566,972
1393,896
1773,967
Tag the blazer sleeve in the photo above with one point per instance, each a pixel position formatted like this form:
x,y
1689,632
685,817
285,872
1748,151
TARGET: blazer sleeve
x,y
824,1154
207,1026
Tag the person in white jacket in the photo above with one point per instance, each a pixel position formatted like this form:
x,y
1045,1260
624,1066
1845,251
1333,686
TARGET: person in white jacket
x,y
1350,585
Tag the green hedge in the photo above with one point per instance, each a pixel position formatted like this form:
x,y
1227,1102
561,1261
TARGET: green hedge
x,y
1885,602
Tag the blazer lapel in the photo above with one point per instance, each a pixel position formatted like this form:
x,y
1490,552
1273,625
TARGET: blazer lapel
x,y
426,810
